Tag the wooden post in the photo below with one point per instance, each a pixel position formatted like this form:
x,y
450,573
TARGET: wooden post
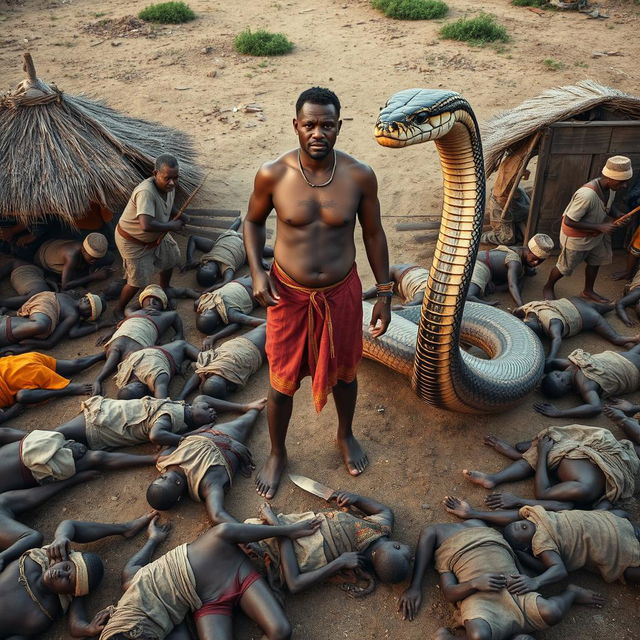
x,y
29,68
538,187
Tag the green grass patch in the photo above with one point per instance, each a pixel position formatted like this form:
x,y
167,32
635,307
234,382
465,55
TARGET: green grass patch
x,y
411,9
553,65
167,13
262,43
477,31
529,3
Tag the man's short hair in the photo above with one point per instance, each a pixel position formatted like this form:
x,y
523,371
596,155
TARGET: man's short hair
x,y
166,160
551,387
318,95
390,566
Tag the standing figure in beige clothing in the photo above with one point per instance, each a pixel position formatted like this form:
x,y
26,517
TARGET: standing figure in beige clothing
x,y
142,233
586,227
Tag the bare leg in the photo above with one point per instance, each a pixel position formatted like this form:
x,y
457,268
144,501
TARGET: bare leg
x,y
75,429
165,278
345,395
604,329
519,470
114,355
549,290
215,627
590,275
502,446
156,534
279,409
33,396
240,428
126,294
259,603
553,610
630,426
71,367
9,435
161,386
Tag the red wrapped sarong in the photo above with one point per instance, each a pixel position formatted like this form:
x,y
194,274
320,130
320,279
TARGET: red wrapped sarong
x,y
314,331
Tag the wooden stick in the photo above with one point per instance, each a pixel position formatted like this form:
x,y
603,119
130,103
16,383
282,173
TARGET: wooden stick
x,y
191,197
623,219
521,170
215,213
29,68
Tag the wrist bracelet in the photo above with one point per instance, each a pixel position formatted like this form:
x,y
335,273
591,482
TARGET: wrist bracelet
x,y
385,288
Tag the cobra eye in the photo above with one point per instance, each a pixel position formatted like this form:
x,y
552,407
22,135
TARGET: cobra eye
x,y
421,118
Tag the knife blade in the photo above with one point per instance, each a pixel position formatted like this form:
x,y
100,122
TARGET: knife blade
x,y
311,486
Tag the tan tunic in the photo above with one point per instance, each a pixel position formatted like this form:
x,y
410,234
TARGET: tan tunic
x,y
51,254
143,330
146,200
617,459
160,596
195,455
235,360
615,374
121,423
477,550
232,296
595,540
46,303
411,282
146,365
228,251
26,278
45,455
585,206
562,309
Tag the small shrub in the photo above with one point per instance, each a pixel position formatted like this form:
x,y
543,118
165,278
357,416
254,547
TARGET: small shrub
x,y
262,43
552,65
479,30
529,3
411,9
167,13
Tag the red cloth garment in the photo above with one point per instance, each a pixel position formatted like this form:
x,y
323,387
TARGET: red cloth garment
x,y
223,605
314,331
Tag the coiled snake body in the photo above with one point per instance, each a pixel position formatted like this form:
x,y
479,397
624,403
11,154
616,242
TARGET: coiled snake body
x,y
427,347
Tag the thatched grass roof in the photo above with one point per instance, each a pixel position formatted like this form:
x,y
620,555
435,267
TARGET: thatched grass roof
x,y
60,152
554,105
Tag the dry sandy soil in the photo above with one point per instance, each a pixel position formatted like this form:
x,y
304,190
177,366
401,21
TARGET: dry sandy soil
x,y
190,77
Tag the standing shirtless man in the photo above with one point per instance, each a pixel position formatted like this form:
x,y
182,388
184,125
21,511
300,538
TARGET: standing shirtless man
x,y
313,287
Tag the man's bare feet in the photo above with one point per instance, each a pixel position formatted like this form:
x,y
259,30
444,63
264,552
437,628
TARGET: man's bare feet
x,y
134,527
267,514
502,446
80,389
268,478
158,532
457,507
354,456
586,596
477,477
443,634
622,404
622,314
548,293
503,501
595,296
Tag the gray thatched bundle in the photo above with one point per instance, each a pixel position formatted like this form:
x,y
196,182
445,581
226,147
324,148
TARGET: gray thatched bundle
x,y
61,152
509,128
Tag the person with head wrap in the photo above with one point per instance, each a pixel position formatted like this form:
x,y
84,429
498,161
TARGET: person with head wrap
x,y
505,267
574,465
207,579
478,573
587,223
76,262
204,463
45,583
568,317
44,319
409,283
142,233
141,328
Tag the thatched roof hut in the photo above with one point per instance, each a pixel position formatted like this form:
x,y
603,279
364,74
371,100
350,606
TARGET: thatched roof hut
x,y
60,153
571,130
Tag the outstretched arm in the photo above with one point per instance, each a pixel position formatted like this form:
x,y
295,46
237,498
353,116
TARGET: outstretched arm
x,y
60,332
455,591
243,319
224,405
514,272
368,506
178,327
227,330
555,572
240,533
80,626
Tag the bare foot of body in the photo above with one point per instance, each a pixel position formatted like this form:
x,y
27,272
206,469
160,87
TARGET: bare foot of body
x,y
134,527
503,501
354,456
267,515
502,446
479,478
268,478
80,389
595,296
457,507
586,596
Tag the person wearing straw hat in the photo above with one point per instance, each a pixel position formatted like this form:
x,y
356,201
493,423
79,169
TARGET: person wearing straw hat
x,y
46,318
45,583
507,266
142,233
70,259
586,227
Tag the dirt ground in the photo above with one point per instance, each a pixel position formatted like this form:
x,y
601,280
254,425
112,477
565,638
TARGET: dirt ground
x,y
189,77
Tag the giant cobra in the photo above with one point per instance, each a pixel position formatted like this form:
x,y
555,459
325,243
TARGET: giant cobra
x,y
425,343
